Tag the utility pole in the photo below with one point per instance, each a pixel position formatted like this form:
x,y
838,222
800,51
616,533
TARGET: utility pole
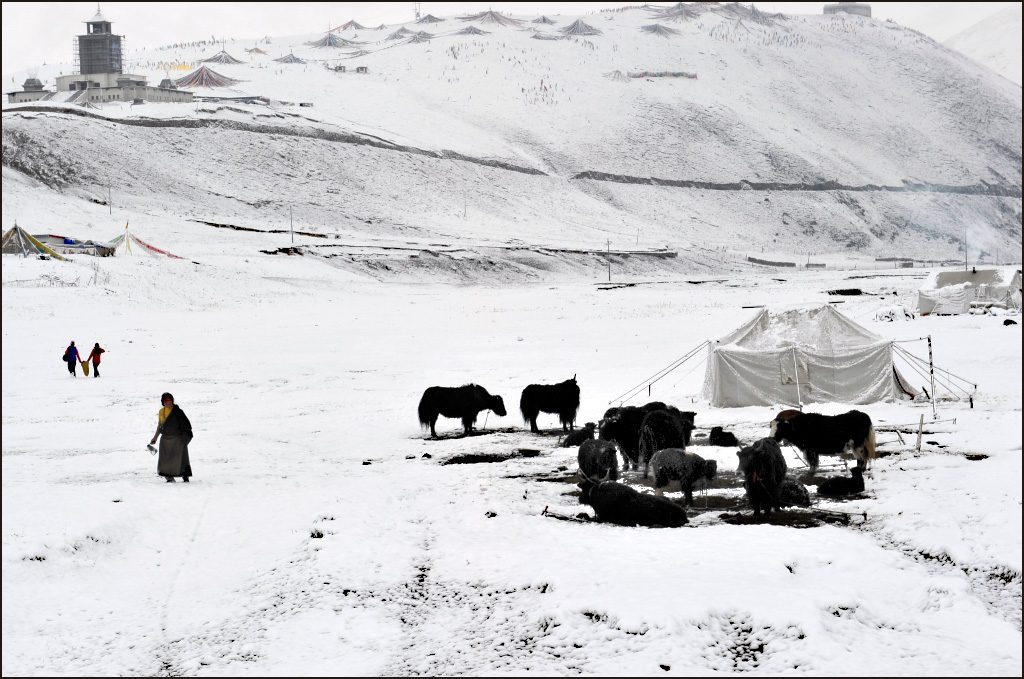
x,y
965,247
110,204
609,260
291,224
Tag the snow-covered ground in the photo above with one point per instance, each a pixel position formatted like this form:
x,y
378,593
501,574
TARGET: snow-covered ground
x,y
994,42
488,136
296,373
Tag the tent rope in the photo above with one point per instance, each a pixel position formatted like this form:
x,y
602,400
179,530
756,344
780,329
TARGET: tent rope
x,y
656,377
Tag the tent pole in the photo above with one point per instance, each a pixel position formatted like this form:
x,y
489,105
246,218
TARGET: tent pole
x,y
796,378
931,374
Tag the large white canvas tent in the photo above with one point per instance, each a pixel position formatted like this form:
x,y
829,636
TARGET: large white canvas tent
x,y
802,356
953,292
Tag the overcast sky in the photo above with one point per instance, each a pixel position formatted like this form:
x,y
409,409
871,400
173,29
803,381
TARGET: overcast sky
x,y
42,32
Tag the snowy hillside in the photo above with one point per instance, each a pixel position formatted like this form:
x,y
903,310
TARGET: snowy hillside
x,y
799,134
994,42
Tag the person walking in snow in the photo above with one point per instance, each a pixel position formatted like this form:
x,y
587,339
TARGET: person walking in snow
x,y
94,356
176,431
71,356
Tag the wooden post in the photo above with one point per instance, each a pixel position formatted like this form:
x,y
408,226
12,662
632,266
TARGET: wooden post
x,y
291,224
609,260
920,431
796,378
931,374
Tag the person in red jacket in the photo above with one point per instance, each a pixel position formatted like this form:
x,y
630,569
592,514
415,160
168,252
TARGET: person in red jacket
x,y
94,356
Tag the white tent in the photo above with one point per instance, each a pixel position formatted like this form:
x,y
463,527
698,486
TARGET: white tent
x,y
802,356
953,292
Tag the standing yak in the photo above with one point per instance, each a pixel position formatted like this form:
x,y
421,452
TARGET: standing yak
x,y
562,399
848,434
668,428
463,403
763,469
622,425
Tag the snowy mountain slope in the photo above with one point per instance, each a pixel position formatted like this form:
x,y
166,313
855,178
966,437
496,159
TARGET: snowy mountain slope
x,y
789,102
994,42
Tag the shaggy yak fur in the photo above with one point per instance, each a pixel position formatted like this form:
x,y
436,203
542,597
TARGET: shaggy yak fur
x,y
668,428
463,403
675,464
597,461
818,435
622,425
619,504
792,492
562,399
763,469
843,485
719,437
575,438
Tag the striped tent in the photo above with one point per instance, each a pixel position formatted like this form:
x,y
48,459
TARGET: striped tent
x,y
18,241
221,57
205,77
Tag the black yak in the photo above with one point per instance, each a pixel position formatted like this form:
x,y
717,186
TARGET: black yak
x,y
843,485
719,437
463,403
817,435
763,469
575,438
668,428
562,399
792,492
597,460
675,464
619,504
622,425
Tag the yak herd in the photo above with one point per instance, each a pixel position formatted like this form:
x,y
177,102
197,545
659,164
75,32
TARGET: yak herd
x,y
654,438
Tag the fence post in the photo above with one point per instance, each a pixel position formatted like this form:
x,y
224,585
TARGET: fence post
x,y
920,431
931,374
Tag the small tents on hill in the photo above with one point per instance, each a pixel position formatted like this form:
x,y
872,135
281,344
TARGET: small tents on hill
x,y
128,244
579,27
350,24
17,241
221,57
333,40
289,58
256,51
543,20
205,77
72,246
491,17
472,30
659,30
399,34
954,292
429,19
802,356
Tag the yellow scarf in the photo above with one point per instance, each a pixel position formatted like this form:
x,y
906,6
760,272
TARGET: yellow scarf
x,y
164,412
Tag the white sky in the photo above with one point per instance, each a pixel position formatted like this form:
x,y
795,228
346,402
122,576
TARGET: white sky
x,y
42,32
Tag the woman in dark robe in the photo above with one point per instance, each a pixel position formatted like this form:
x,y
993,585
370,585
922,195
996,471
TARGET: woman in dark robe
x,y
176,432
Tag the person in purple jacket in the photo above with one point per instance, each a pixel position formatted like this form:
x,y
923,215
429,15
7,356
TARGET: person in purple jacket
x,y
71,356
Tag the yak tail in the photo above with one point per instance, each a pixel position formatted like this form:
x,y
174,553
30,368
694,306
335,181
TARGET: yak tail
x,y
870,444
424,412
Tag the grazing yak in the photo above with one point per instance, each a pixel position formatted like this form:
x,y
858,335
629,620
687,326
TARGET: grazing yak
x,y
619,504
763,469
622,425
668,428
575,438
463,403
719,437
843,485
597,460
675,464
818,435
562,399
